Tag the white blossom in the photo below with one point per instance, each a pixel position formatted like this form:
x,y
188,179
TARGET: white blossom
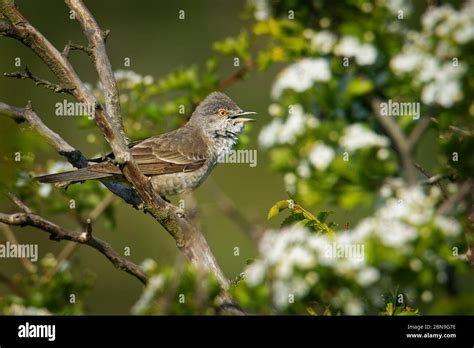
x,y
406,62
367,276
353,307
323,41
129,78
366,55
279,132
45,190
301,76
59,166
255,273
261,9
356,137
303,170
321,156
350,46
448,226
269,134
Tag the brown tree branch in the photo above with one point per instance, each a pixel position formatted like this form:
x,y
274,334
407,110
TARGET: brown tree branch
x,y
433,180
60,233
400,141
17,114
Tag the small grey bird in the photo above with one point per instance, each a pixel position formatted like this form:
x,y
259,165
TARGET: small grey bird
x,y
180,160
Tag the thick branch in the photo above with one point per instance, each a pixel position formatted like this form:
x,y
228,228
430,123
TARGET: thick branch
x,y
17,114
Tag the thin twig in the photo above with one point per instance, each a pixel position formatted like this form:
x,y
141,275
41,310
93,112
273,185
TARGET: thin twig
x,y
70,46
464,189
228,207
433,180
463,132
11,284
27,75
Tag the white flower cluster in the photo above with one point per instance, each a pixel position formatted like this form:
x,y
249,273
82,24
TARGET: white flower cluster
x,y
301,76
430,62
350,46
294,256
394,6
284,132
323,41
130,79
326,42
321,156
261,9
356,137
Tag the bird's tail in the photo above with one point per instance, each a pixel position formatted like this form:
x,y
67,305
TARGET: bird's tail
x,y
72,176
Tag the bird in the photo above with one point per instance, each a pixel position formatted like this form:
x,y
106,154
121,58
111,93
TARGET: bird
x,y
178,161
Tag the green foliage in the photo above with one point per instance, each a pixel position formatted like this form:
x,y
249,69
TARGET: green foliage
x,y
48,289
302,217
178,290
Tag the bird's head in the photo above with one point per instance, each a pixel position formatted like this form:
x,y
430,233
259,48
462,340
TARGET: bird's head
x,y
218,113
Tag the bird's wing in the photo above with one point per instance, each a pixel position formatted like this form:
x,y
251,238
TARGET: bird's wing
x,y
177,151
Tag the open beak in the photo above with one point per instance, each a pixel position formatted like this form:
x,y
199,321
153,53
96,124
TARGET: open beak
x,y
238,119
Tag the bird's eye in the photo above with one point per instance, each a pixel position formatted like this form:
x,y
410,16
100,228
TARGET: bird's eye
x,y
222,112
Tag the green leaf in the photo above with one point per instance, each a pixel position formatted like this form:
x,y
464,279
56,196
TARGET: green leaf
x,y
323,215
277,208
292,219
359,87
